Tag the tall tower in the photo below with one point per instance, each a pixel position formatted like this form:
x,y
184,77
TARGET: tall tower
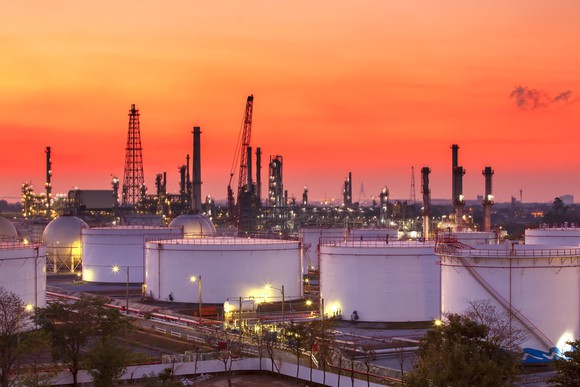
x,y
196,199
48,184
426,191
134,178
412,196
487,199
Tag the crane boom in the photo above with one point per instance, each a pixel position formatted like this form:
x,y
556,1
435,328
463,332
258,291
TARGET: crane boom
x,y
246,134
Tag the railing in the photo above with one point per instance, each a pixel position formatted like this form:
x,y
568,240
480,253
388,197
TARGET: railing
x,y
18,245
223,241
363,242
452,251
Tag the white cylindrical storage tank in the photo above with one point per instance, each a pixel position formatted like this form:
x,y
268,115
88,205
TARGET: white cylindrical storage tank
x,y
194,226
555,236
8,231
383,282
537,284
310,238
229,267
24,271
123,247
62,239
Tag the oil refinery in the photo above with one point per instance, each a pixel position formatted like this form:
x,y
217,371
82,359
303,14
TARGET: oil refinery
x,y
388,262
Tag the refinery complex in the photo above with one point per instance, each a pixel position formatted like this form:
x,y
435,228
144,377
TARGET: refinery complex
x,y
389,262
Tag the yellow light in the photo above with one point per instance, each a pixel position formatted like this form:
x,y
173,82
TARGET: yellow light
x,y
29,307
308,302
192,278
438,323
115,269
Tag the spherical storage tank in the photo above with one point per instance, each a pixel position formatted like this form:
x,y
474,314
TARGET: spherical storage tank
x,y
383,282
194,226
538,285
555,236
62,239
230,268
8,231
123,247
24,271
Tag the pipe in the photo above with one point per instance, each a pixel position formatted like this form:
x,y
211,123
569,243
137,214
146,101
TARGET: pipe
x,y
196,194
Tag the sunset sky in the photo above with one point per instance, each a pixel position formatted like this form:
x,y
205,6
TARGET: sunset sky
x,y
371,87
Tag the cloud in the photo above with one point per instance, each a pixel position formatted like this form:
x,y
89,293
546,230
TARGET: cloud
x,y
529,99
563,96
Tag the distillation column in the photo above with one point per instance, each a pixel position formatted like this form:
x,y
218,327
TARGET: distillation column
x,y
488,199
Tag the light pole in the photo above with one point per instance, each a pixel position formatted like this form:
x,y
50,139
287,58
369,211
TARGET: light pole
x,y
268,286
116,269
197,279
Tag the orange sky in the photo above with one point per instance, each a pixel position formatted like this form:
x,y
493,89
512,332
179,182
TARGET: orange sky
x,y
372,87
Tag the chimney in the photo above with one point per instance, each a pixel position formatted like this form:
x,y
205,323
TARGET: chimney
x,y
196,194
250,182
48,183
454,165
259,174
425,171
487,199
458,201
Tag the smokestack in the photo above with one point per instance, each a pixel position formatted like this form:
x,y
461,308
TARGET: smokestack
x,y
350,187
458,201
48,184
454,165
487,199
196,194
250,182
425,171
259,174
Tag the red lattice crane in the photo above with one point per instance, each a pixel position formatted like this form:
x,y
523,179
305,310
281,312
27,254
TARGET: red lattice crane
x,y
242,151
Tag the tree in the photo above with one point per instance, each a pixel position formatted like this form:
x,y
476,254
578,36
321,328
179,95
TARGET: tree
x,y
106,363
228,348
72,325
568,367
12,312
502,331
36,345
456,353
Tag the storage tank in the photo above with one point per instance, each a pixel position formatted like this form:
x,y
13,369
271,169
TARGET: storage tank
x,y
553,236
229,267
62,239
194,226
537,284
24,271
122,246
7,230
395,281
310,238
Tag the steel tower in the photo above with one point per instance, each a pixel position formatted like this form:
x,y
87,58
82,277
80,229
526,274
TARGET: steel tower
x,y
134,179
